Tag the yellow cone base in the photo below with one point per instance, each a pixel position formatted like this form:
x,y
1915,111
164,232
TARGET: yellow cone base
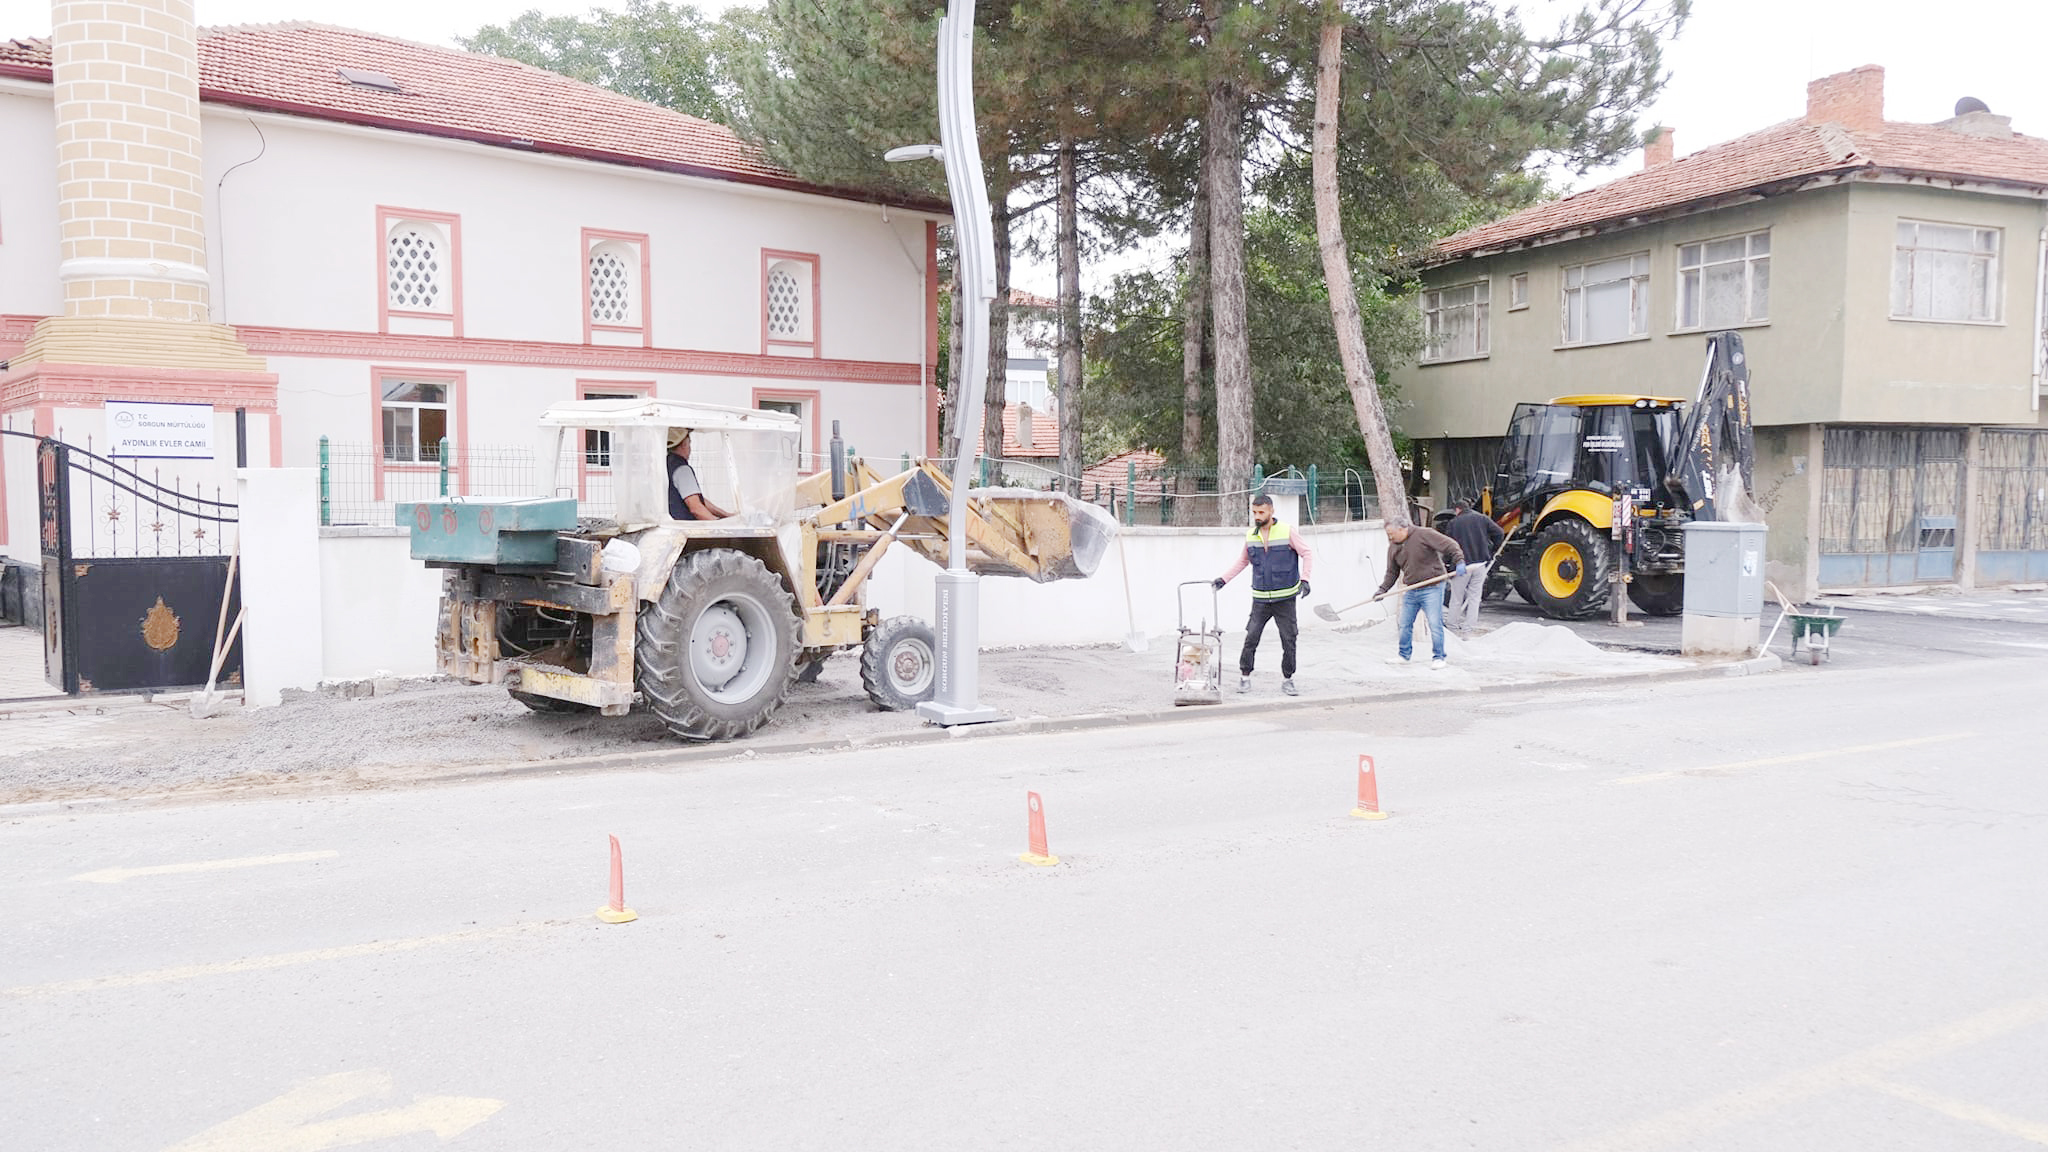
x,y
1362,814
611,915
1040,861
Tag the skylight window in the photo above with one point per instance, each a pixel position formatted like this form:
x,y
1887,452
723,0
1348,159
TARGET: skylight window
x,y
364,78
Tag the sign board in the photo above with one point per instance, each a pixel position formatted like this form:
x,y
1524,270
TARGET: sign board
x,y
160,431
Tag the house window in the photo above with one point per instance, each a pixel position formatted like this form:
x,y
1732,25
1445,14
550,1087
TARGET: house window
x,y
1518,291
416,267
1607,301
415,420
804,406
1725,283
597,443
789,303
1946,272
614,291
1454,322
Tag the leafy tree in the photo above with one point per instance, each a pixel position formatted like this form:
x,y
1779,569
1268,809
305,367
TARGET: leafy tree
x,y
655,51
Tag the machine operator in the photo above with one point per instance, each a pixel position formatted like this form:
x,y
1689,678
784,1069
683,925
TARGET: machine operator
x,y
685,496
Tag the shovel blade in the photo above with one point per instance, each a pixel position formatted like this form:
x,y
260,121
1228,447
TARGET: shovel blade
x,y
1326,612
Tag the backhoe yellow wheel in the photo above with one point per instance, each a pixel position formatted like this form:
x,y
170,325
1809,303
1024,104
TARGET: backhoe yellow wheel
x,y
1562,570
1572,561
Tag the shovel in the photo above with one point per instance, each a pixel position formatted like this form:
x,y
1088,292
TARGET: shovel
x,y
1134,640
1329,613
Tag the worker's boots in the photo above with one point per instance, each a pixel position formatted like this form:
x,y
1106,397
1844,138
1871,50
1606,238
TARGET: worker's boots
x,y
1287,687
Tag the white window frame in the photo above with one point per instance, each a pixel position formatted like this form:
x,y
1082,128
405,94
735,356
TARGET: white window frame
x,y
442,272
1693,264
1571,291
1518,291
421,451
1433,309
1990,258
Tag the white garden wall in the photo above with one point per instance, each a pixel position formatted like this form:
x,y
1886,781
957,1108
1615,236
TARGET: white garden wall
x,y
378,606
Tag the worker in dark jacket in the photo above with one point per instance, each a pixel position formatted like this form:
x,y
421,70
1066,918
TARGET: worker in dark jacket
x,y
1479,537
1280,563
685,495
1416,556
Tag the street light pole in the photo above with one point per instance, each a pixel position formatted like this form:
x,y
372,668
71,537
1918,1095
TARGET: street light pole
x,y
957,595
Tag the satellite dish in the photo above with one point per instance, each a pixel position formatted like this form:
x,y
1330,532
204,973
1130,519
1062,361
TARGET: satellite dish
x,y
1969,104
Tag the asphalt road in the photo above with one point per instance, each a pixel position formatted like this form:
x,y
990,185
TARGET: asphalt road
x,y
1801,910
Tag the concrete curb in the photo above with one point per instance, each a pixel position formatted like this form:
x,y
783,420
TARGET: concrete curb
x,y
691,754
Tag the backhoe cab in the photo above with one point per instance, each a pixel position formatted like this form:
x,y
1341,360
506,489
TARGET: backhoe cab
x,y
1566,465
707,624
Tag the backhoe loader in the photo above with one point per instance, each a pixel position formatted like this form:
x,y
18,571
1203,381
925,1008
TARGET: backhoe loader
x,y
1567,466
707,624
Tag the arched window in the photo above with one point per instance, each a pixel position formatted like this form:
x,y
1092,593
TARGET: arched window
x,y
789,308
614,285
416,268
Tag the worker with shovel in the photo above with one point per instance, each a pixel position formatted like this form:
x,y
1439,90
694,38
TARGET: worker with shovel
x,y
1280,563
1420,556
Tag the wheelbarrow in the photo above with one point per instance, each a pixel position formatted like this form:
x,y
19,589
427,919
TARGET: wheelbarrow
x,y
1813,630
1198,651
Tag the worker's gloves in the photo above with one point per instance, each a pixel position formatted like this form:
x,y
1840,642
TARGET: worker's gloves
x,y
1304,589
1461,568
1217,583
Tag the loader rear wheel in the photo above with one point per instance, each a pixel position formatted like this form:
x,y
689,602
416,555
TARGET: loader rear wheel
x,y
1570,562
550,705
1661,595
716,654
899,664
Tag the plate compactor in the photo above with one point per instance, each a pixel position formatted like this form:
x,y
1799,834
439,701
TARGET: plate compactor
x,y
1198,653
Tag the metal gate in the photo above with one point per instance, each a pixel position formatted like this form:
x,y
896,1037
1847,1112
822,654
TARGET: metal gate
x,y
2012,507
135,570
1888,511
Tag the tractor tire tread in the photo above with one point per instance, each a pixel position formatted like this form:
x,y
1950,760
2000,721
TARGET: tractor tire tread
x,y
874,672
660,660
1593,549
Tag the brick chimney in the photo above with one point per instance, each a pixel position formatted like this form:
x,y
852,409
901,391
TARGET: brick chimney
x,y
1659,149
1853,99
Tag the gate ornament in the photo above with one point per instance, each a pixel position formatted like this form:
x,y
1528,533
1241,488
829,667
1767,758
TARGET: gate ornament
x,y
160,627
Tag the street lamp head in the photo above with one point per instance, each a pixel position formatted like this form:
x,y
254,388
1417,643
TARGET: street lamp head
x,y
914,152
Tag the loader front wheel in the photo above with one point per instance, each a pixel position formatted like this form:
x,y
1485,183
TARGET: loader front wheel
x,y
716,654
899,664
1570,562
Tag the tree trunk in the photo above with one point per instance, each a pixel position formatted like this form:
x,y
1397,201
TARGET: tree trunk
x,y
1069,243
1194,312
998,317
1351,348
1223,174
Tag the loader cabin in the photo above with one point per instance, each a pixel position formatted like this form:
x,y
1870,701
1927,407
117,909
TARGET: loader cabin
x,y
744,459
1610,443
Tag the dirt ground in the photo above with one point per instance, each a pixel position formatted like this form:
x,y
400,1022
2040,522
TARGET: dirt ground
x,y
422,729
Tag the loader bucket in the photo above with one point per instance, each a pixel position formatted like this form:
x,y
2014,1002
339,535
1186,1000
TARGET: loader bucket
x,y
1063,538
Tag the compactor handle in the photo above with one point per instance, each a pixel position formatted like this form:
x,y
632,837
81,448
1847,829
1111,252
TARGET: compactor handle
x,y
1180,597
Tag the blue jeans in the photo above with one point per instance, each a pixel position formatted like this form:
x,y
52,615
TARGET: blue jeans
x,y
1429,602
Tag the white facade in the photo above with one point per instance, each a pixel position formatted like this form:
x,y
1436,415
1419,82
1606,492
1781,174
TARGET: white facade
x,y
301,216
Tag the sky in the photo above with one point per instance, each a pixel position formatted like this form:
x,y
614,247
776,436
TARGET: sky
x,y
1739,64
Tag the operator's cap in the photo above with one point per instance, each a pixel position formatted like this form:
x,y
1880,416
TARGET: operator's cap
x,y
677,436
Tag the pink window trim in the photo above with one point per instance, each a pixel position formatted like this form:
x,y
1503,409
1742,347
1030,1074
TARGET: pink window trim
x,y
385,215
816,343
646,328
583,390
458,386
815,398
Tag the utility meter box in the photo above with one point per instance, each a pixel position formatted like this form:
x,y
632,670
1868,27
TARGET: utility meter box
x,y
1724,588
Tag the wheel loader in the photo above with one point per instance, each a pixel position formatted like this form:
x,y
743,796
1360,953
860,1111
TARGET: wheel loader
x,y
708,623
1567,465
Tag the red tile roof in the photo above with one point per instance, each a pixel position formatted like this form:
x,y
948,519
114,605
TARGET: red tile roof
x,y
290,68
1115,472
1781,158
1045,435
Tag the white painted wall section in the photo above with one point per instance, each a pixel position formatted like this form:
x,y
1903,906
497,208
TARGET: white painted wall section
x,y
280,565
378,606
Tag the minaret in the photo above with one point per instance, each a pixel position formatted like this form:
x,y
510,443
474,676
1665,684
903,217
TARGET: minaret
x,y
131,200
